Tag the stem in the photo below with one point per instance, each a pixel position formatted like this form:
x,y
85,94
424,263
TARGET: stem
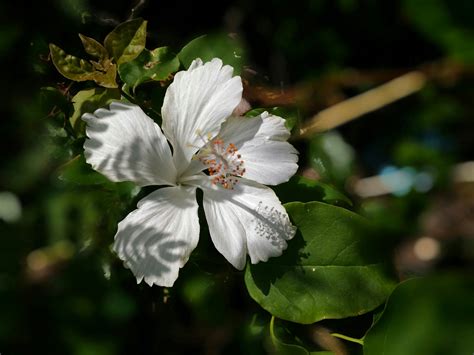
x,y
128,96
272,323
134,12
366,102
345,337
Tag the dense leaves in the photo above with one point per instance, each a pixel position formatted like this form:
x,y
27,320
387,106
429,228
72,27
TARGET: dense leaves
x,y
328,270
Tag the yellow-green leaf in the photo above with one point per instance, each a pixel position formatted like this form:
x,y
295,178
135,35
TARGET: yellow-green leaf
x,y
103,73
126,41
69,66
87,101
93,48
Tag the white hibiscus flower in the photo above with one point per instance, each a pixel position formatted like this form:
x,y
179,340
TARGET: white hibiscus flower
x,y
227,157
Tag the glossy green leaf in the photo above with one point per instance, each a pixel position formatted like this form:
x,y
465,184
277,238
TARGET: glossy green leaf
x,y
126,41
157,65
303,189
93,48
207,47
328,271
74,68
426,316
87,101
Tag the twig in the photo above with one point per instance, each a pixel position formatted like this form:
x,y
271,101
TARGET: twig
x,y
364,103
136,9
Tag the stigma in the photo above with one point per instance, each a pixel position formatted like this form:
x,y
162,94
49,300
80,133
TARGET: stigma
x,y
223,162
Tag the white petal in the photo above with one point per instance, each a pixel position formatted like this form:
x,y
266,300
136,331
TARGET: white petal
x,y
157,238
261,141
249,219
196,104
195,64
126,145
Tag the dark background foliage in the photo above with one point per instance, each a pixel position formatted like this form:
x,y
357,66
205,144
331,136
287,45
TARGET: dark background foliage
x,y
61,289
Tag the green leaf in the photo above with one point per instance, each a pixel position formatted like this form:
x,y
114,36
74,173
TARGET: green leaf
x,y
51,97
291,115
74,68
303,189
87,101
126,41
208,47
328,271
93,48
286,348
79,172
426,316
157,65
286,343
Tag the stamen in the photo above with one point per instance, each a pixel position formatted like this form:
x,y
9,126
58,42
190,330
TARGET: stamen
x,y
223,162
273,225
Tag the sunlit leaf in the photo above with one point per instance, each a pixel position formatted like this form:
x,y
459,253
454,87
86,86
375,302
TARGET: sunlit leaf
x,y
74,68
157,65
303,189
87,101
207,47
126,41
69,66
426,316
93,48
328,271
105,74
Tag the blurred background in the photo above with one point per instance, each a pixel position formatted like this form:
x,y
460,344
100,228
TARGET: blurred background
x,y
408,166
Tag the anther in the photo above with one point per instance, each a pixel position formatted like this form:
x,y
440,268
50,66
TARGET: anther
x,y
223,162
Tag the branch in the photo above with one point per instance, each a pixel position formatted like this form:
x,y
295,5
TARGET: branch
x,y
328,91
364,103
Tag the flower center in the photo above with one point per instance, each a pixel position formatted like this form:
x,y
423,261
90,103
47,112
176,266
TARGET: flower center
x,y
223,162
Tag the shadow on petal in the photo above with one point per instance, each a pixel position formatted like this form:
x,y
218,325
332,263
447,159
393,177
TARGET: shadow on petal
x,y
151,254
